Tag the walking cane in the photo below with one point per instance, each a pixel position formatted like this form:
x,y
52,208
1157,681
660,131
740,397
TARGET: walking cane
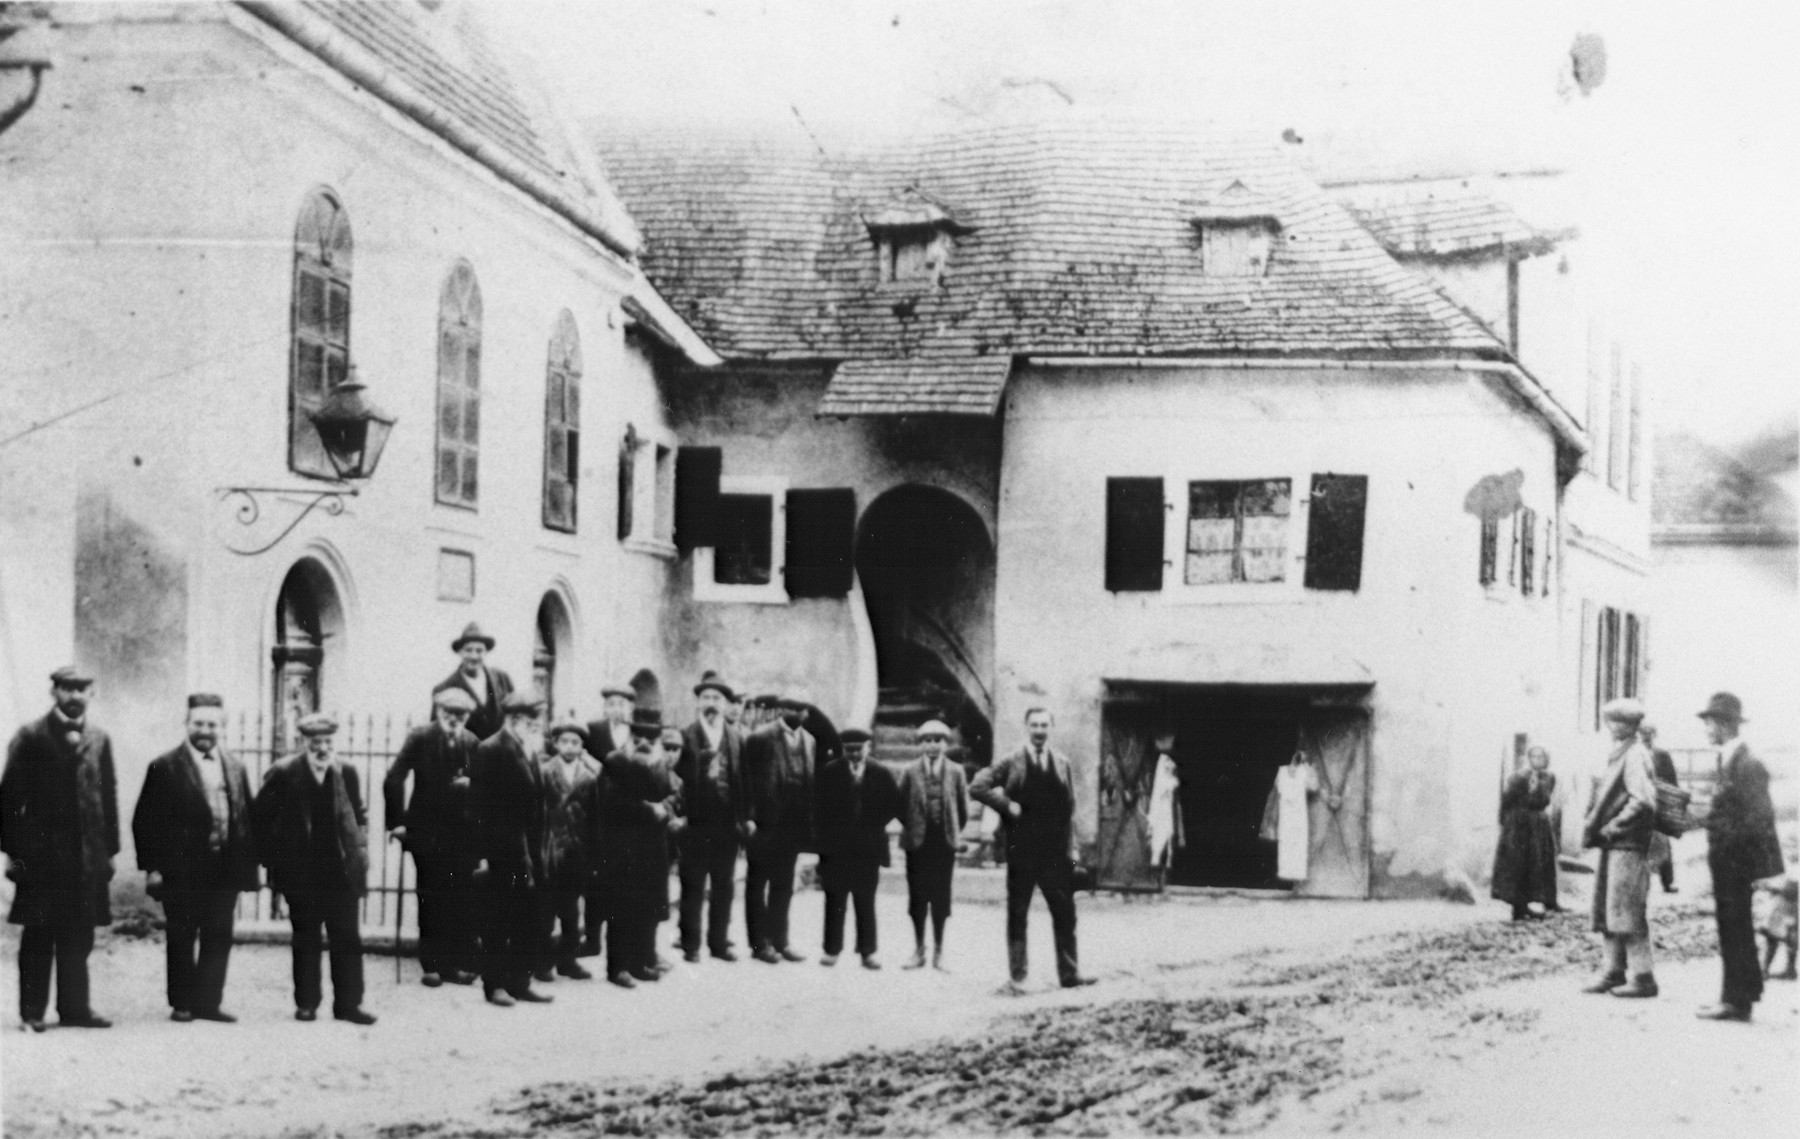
x,y
399,907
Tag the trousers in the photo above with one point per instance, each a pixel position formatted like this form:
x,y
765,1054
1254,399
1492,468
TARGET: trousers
x,y
849,880
446,915
1053,878
198,946
559,903
928,873
509,935
768,891
65,942
336,915
707,858
630,943
1743,981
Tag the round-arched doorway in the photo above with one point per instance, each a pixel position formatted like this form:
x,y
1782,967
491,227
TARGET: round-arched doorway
x,y
309,647
551,652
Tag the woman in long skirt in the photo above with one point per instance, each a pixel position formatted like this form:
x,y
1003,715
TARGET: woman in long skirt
x,y
1525,858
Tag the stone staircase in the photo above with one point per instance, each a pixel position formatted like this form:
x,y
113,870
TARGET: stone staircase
x,y
898,714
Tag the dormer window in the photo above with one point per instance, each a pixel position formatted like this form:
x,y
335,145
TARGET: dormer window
x,y
1236,230
912,236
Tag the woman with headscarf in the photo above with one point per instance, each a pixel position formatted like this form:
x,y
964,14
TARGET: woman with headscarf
x,y
1525,857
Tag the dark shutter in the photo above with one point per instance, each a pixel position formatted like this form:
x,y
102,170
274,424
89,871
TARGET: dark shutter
x,y
1134,534
627,480
1334,531
697,496
821,541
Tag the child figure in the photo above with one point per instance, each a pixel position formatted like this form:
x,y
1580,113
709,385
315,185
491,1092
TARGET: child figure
x,y
571,780
1778,924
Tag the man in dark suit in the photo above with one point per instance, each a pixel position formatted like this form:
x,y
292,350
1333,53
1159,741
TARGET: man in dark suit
x,y
778,773
1033,791
1741,847
192,826
856,800
487,686
639,806
59,827
1663,764
435,827
934,808
311,831
610,733
506,801
711,772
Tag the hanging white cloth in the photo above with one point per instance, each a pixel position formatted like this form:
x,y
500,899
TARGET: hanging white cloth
x,y
1294,783
1165,811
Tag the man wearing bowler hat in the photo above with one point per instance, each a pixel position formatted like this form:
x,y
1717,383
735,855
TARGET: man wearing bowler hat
x,y
192,826
1741,847
311,832
486,685
506,804
779,760
59,828
856,800
435,827
711,772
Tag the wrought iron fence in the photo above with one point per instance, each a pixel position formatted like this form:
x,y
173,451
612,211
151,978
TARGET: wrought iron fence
x,y
368,744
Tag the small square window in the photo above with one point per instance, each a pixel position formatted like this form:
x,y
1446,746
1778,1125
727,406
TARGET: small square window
x,y
746,561
1237,531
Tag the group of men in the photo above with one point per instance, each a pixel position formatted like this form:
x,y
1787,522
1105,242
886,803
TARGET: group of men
x,y
533,847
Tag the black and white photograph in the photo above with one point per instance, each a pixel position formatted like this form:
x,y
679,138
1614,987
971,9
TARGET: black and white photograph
x,y
898,567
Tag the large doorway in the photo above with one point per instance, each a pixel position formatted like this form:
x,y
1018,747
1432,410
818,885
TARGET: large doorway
x,y
309,625
1229,743
926,566
550,652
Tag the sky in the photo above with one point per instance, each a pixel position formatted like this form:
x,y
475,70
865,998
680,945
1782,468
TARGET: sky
x,y
1682,158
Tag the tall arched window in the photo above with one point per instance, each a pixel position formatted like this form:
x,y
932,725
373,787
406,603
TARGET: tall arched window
x,y
562,424
319,355
459,388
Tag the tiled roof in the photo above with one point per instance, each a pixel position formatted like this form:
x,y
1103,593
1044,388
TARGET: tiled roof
x,y
1438,218
914,386
1699,485
1081,242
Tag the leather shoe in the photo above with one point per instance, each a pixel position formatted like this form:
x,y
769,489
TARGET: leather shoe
x,y
691,956
648,974
85,1020
1642,985
869,961
182,1016
1725,1012
431,980
828,960
354,1016
502,998
545,975
916,961
531,996
1605,983
768,956
788,954
623,980
306,1014
36,1025
1077,982
217,1016
574,971
461,977
724,955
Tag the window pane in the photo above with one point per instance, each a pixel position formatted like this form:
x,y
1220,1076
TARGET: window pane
x,y
468,478
1266,496
337,368
472,374
310,302
741,556
309,372
558,503
1212,499
449,415
572,391
447,474
556,452
553,402
1265,548
450,356
1208,569
339,297
472,418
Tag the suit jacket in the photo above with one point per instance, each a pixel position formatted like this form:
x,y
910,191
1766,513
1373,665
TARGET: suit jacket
x,y
437,818
59,822
632,846
282,828
506,802
914,817
600,742
698,797
781,786
486,719
853,817
173,825
571,813
1740,829
1000,783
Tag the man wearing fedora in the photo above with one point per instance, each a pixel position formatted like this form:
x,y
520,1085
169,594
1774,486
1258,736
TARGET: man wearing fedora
x,y
711,772
486,685
192,827
434,826
779,767
934,808
856,800
506,804
59,828
1741,847
311,832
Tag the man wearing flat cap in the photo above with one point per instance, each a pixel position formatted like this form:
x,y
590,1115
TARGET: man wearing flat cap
x,y
192,827
934,808
711,772
506,804
857,798
1620,820
779,760
59,828
571,789
639,807
486,685
311,831
1741,847
434,826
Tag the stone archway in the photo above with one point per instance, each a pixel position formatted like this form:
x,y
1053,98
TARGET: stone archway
x,y
309,648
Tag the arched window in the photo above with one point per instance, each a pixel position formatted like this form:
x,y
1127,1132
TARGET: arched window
x,y
562,424
459,388
319,355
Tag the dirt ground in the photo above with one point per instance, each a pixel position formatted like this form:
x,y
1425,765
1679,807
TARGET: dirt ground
x,y
1214,1014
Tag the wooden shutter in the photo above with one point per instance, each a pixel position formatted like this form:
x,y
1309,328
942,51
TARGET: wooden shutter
x,y
1134,534
821,542
1334,531
697,496
628,449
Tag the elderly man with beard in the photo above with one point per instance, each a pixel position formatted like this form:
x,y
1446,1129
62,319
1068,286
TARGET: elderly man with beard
x,y
639,806
434,826
192,827
506,802
59,827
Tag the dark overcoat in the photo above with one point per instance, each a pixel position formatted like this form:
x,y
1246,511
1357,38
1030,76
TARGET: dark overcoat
x,y
571,794
632,845
779,781
282,826
853,817
1740,829
487,718
506,802
59,822
173,825
437,817
694,768
1525,856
